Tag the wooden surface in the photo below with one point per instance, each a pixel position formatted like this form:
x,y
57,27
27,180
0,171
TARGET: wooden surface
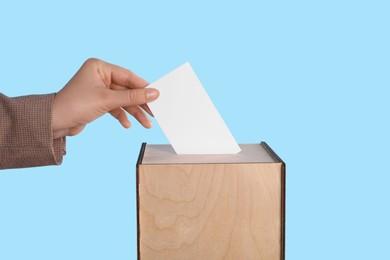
x,y
210,211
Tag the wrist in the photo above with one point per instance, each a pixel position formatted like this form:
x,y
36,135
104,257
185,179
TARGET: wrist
x,y
58,130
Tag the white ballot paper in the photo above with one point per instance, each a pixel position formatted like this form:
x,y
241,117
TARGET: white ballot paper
x,y
188,117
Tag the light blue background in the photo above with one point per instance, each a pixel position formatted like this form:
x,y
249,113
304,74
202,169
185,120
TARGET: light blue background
x,y
309,77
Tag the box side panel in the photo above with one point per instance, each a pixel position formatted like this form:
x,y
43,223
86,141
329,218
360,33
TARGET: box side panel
x,y
283,211
283,197
210,211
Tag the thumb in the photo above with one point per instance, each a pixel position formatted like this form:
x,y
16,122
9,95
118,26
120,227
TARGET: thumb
x,y
131,97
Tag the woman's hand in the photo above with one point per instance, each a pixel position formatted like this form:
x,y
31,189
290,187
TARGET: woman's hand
x,y
97,88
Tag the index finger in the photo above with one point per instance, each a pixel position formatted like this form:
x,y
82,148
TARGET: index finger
x,y
144,106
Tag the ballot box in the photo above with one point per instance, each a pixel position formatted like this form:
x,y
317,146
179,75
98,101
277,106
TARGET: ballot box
x,y
210,206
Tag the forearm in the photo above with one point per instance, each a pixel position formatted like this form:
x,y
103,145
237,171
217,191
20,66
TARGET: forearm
x,y
26,137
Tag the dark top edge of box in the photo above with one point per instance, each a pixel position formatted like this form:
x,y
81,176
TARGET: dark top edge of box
x,y
141,154
271,152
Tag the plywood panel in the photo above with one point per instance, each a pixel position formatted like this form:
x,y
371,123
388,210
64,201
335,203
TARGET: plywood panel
x,y
210,211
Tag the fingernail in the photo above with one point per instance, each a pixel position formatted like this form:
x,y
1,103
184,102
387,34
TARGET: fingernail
x,y
151,94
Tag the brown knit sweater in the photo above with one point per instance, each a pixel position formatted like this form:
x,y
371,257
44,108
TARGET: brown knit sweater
x,y
26,138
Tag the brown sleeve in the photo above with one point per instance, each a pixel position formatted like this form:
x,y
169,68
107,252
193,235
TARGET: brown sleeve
x,y
26,137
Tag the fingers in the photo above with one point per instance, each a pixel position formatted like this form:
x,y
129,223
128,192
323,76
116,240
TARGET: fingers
x,y
144,106
136,112
147,109
119,114
124,98
111,73
140,115
126,78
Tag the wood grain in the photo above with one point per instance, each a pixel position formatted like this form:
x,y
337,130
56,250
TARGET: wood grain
x,y
210,211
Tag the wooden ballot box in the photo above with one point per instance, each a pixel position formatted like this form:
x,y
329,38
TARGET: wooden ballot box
x,y
210,206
